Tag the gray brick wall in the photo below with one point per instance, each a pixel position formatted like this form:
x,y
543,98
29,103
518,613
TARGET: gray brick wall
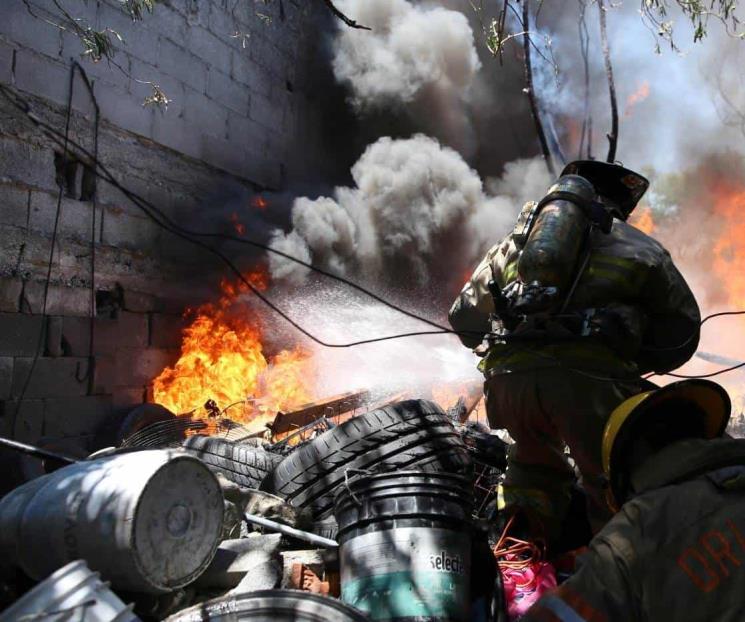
x,y
210,59
243,116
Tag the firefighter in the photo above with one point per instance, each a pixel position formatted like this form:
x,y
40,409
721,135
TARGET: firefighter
x,y
676,549
576,305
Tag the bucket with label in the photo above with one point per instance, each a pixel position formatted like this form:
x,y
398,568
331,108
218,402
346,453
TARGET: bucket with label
x,y
405,545
148,521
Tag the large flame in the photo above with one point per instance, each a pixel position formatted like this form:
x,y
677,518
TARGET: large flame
x,y
222,359
728,260
642,219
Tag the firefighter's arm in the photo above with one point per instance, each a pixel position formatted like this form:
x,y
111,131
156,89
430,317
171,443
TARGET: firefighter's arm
x,y
597,592
672,332
470,312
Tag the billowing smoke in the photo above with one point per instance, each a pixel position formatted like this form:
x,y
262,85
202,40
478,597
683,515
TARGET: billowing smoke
x,y
417,217
420,59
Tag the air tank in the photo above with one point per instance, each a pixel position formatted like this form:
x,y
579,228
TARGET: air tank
x,y
553,246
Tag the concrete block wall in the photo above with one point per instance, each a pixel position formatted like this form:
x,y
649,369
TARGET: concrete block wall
x,y
230,70
243,115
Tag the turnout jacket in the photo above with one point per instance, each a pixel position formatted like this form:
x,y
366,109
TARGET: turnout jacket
x,y
629,274
676,551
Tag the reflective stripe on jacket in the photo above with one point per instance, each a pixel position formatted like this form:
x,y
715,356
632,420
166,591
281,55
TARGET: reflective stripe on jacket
x,y
676,551
628,273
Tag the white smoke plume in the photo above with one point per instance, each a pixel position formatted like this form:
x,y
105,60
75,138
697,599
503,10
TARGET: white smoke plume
x,y
420,58
417,214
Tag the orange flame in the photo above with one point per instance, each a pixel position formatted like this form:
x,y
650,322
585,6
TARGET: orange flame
x,y
729,248
239,227
643,220
259,202
638,96
222,359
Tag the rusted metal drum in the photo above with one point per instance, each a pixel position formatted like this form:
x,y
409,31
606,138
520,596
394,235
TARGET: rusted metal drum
x,y
148,521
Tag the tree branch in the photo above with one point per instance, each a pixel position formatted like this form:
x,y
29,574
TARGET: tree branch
x,y
348,21
535,113
584,46
613,136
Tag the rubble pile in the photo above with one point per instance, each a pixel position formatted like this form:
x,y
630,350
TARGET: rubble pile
x,y
351,517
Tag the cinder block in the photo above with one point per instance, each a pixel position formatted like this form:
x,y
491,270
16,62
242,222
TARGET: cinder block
x,y
75,221
179,63
223,154
168,22
6,62
230,93
140,367
104,374
196,12
24,163
6,376
248,72
174,132
209,48
54,337
127,330
20,26
222,23
76,416
204,115
124,399
166,331
75,337
42,76
172,87
51,377
123,229
10,294
13,205
140,39
122,109
19,333
140,302
61,300
28,419
267,114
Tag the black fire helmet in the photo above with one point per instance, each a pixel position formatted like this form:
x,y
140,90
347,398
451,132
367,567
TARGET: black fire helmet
x,y
618,187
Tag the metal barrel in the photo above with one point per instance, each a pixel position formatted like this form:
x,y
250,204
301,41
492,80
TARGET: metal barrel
x,y
73,593
405,545
148,521
271,606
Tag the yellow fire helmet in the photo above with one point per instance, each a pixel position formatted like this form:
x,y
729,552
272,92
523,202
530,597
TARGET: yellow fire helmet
x,y
710,398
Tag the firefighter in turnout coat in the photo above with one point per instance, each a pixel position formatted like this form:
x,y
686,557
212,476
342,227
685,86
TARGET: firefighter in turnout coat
x,y
576,305
676,549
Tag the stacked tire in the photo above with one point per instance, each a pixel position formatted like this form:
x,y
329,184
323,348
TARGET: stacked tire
x,y
242,463
413,434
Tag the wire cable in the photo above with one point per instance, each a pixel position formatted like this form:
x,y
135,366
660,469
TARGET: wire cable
x,y
55,229
165,222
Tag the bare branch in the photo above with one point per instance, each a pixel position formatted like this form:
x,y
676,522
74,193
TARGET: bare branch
x,y
347,20
584,46
613,136
535,113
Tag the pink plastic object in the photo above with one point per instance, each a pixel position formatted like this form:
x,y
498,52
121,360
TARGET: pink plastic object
x,y
523,587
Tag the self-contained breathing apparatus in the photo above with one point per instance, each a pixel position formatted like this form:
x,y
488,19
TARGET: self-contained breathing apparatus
x,y
554,238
